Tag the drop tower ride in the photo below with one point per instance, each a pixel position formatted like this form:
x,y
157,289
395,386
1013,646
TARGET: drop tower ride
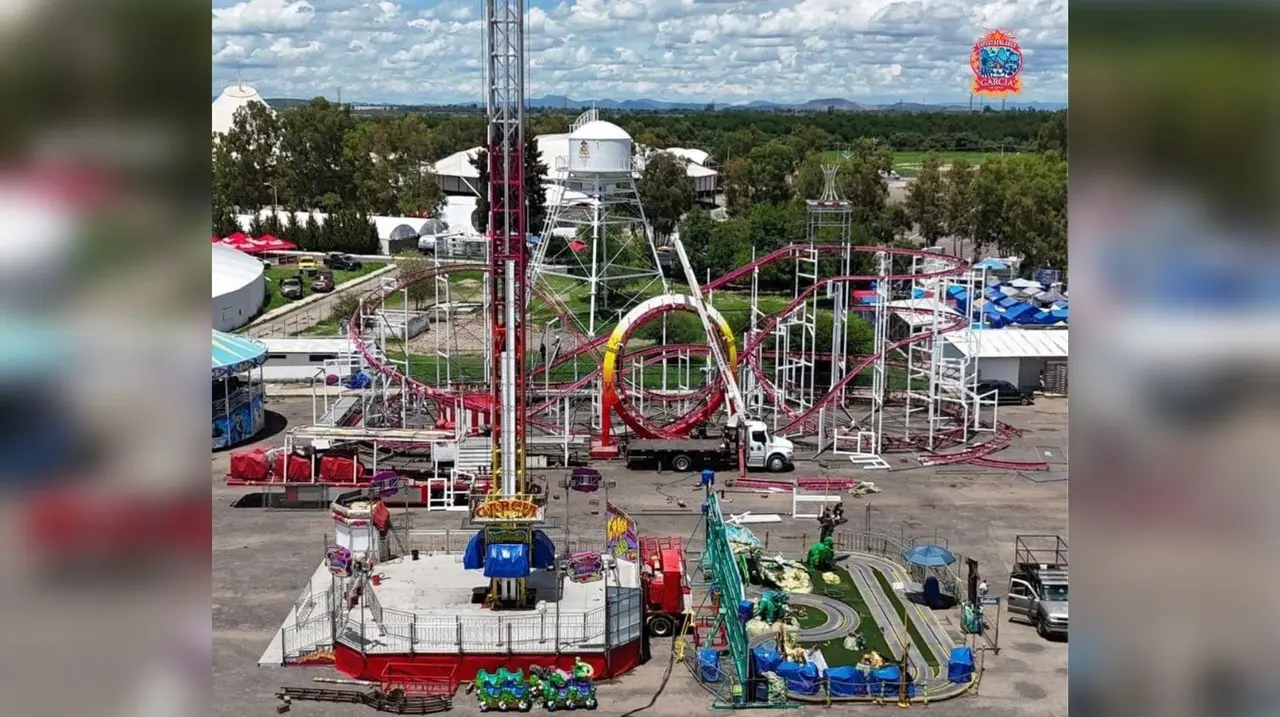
x,y
509,510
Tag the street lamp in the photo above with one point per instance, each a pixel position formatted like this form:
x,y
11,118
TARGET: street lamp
x,y
275,196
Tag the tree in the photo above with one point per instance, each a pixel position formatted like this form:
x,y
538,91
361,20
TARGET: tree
x,y
311,232
696,231
925,200
318,165
480,217
958,201
771,167
344,307
666,192
245,160
737,186
396,179
224,221
535,176
415,264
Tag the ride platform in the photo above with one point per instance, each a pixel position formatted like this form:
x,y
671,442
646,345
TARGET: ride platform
x,y
423,615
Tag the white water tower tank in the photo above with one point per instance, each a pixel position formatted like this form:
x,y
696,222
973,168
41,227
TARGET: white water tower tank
x,y
601,147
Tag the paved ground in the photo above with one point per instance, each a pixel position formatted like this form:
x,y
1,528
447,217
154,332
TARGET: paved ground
x,y
261,560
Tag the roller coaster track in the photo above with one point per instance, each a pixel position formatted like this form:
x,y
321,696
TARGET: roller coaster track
x,y
709,397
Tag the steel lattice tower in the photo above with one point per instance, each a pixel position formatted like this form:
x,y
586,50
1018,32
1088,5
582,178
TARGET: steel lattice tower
x,y
508,251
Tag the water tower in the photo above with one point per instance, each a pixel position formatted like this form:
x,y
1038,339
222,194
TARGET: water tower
x,y
596,231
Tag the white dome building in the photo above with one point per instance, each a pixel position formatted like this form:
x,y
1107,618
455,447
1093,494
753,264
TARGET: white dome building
x,y
238,288
233,98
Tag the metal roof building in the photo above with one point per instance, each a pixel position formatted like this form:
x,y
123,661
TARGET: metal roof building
x,y
1019,356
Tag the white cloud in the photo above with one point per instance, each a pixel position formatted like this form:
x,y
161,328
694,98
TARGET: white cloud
x,y
691,50
254,16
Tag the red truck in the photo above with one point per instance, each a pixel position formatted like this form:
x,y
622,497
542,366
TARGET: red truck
x,y
666,585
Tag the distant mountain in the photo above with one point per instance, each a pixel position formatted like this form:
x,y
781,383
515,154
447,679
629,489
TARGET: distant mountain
x,y
649,105
560,101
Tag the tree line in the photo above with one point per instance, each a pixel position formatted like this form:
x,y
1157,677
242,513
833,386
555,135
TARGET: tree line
x,y
321,156
1014,205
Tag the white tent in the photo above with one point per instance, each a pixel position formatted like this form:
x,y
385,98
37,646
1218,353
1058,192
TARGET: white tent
x,y
233,98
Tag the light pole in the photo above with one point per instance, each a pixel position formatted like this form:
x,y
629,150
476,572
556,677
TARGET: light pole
x,y
275,196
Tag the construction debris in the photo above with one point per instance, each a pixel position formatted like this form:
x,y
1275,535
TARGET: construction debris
x,y
395,702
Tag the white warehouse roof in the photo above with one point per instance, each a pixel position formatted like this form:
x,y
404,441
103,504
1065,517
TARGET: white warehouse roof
x,y
1010,343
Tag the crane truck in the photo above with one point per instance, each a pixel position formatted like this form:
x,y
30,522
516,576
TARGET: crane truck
x,y
763,450
741,437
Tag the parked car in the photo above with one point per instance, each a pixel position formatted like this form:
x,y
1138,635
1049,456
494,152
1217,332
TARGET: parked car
x,y
307,263
323,282
291,287
342,262
1006,393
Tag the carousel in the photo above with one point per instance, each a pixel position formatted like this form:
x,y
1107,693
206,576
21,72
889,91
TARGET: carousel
x,y
237,389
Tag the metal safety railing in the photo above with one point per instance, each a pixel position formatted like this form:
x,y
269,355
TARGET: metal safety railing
x,y
401,632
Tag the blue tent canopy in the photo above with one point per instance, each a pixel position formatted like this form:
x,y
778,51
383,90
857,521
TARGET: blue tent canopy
x,y
233,354
544,551
991,265
506,560
473,558
929,556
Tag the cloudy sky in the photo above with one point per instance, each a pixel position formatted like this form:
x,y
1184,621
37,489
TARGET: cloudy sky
x,y
424,51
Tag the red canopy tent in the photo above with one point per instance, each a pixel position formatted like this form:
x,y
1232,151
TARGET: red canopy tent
x,y
269,242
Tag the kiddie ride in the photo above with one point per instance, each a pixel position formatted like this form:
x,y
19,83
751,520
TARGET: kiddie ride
x,y
548,687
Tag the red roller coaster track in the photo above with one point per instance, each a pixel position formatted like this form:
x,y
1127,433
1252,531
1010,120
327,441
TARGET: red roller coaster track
x,y
709,397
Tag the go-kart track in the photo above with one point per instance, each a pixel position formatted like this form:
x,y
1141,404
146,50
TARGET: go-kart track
x,y
843,620
609,351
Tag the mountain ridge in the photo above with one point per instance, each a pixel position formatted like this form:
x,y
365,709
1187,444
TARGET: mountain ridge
x,y
651,105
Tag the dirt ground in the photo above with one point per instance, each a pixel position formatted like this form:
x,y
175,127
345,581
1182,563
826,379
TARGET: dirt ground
x,y
261,561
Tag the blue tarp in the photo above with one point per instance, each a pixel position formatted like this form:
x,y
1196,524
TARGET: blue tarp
x,y
473,558
506,560
846,681
991,265
544,551
801,679
960,664
766,660
709,664
1019,311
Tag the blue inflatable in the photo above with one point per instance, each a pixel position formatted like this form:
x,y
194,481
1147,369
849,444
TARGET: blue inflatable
x,y
960,665
709,665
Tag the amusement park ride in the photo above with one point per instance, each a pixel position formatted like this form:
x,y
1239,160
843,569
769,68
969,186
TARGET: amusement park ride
x,y
398,617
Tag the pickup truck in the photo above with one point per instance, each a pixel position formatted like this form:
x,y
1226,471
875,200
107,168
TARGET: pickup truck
x,y
1038,583
291,287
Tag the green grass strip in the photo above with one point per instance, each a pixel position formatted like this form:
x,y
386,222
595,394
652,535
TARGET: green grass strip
x,y
846,592
901,609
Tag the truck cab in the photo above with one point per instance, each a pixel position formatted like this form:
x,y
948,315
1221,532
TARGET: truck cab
x,y
765,450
